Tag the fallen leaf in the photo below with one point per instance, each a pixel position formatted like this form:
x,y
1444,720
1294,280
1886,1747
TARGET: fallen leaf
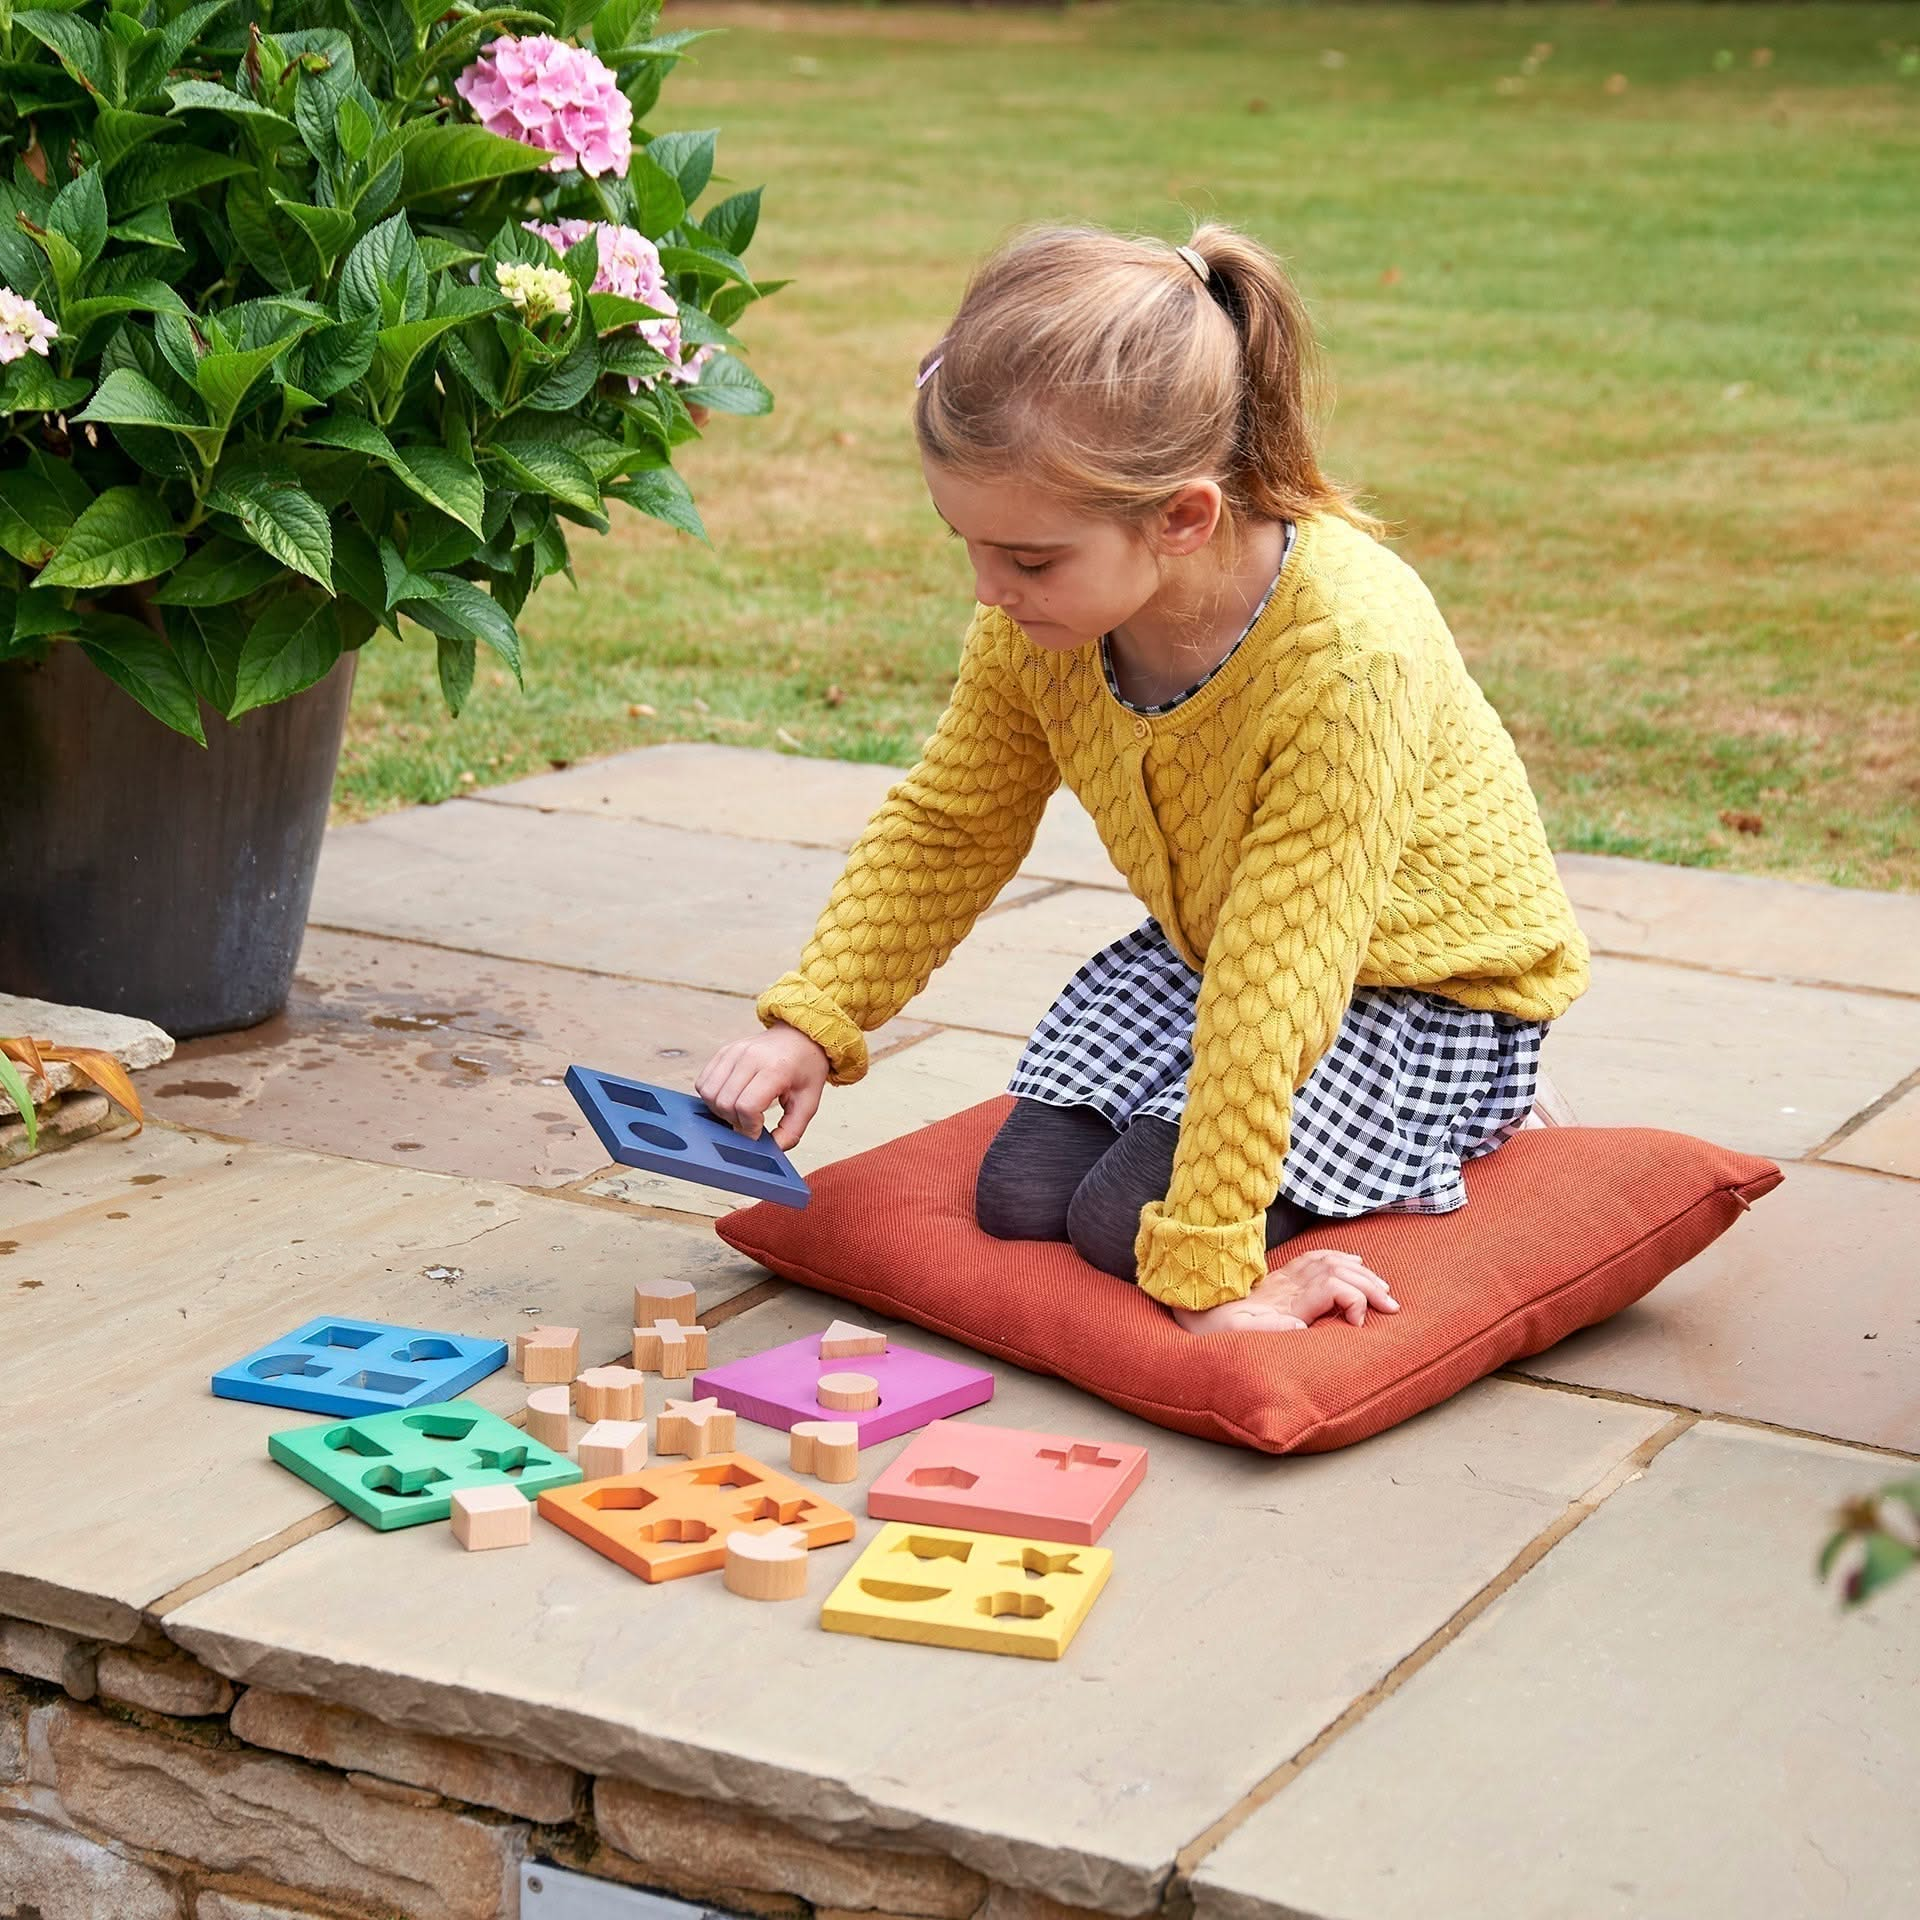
x,y
1257,106
833,696
469,778
1763,56
639,710
1742,822
559,766
784,737
1333,59
1391,277
699,705
846,439
1616,83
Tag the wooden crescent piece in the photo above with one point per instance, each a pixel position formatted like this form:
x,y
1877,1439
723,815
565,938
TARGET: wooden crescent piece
x,y
663,1300
848,1392
548,1354
767,1566
485,1517
548,1417
827,1449
610,1393
844,1341
613,1446
694,1428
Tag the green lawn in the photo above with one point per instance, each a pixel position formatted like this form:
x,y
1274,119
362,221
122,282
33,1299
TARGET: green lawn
x,y
1633,366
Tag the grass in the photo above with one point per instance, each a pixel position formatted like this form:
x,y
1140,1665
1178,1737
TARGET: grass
x,y
1631,368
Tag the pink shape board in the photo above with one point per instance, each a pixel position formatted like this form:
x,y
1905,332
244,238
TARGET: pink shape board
x,y
777,1387
1041,1486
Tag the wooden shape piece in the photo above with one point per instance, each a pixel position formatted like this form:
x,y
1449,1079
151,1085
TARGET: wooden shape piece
x,y
827,1449
610,1393
613,1446
767,1566
548,1419
664,1300
485,1517
669,1348
848,1392
548,1354
695,1428
779,1385
844,1341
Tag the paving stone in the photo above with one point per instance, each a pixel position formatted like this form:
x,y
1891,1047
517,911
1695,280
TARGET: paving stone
x,y
920,1083
707,787
419,1057
1804,1314
133,1042
697,1847
1165,1712
45,1653
289,1723
301,1827
175,1685
162,1257
613,896
1890,1141
50,1873
1745,923
1666,1716
1008,970
1761,1065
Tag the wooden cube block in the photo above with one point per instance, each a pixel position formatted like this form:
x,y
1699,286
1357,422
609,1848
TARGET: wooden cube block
x,y
613,1446
695,1428
844,1341
767,1566
827,1449
491,1517
669,1348
610,1393
548,1420
548,1354
664,1300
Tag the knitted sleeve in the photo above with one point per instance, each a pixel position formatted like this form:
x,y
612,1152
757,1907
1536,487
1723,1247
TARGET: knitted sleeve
x,y
1332,811
949,835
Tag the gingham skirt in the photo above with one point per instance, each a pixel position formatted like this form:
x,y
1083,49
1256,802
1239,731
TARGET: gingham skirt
x,y
1413,1085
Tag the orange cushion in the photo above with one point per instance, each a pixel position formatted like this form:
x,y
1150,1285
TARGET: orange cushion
x,y
1563,1226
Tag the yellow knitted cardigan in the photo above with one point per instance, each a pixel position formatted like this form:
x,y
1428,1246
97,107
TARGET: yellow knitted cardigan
x,y
1338,806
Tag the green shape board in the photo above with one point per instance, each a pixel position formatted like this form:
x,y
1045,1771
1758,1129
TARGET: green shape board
x,y
402,1469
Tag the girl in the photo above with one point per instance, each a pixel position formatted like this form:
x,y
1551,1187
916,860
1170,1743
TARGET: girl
x,y
1357,935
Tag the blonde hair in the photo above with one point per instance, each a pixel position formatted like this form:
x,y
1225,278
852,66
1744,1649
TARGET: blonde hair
x,y
1099,368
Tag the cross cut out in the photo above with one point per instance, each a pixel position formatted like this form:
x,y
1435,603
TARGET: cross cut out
x,y
1067,1458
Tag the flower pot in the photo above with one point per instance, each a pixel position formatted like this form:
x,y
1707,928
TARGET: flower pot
x,y
147,875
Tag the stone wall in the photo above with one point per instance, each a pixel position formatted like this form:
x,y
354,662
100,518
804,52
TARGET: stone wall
x,y
136,1784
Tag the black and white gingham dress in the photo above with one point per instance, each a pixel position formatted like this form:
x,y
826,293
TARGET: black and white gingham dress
x,y
1413,1085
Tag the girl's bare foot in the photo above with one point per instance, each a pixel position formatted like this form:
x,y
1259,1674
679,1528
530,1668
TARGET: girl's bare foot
x,y
1291,1297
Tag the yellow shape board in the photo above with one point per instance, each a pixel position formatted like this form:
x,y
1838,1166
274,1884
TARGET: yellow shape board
x,y
987,1592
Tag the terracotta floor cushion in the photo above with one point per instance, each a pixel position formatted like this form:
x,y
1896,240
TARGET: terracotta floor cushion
x,y
1564,1226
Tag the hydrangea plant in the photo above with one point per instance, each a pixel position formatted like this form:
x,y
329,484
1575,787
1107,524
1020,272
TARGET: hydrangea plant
x,y
322,316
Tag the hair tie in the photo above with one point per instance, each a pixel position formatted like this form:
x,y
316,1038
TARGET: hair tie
x,y
1195,262
928,371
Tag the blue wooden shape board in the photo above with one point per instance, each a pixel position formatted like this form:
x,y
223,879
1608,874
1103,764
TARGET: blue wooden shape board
x,y
333,1365
642,1125
403,1469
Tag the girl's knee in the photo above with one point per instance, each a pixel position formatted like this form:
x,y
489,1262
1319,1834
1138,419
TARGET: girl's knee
x,y
1101,1224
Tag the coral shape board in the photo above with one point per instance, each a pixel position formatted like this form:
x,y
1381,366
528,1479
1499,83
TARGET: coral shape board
x,y
1005,1480
986,1592
333,1365
669,1521
402,1469
642,1125
781,1386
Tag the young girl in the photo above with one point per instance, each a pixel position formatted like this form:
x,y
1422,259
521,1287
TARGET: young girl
x,y
1357,935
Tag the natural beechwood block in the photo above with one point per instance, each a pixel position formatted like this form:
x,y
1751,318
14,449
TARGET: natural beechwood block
x,y
848,1392
844,1341
610,1393
664,1300
613,1446
548,1354
767,1566
670,1348
827,1449
694,1428
491,1517
548,1420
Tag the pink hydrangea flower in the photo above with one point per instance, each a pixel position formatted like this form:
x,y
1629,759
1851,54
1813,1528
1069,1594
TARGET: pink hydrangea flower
x,y
23,327
630,265
546,93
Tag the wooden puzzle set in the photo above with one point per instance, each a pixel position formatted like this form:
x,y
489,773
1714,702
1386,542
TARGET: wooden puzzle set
x,y
991,1533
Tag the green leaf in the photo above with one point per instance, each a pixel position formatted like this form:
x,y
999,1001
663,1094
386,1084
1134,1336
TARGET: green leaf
x,y
463,611
116,132
148,226
451,484
658,204
225,379
400,346
207,641
357,570
129,654
444,159
333,358
688,157
78,46
728,385
456,661
353,129
350,431
281,515
570,382
402,583
164,49
143,296
733,221
611,310
170,173
36,614
128,398
384,266
34,519
663,494
15,1087
209,96
276,249
293,644
125,535
552,470
327,227
220,571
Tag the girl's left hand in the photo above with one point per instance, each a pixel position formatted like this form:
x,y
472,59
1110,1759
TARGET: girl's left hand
x,y
1291,1297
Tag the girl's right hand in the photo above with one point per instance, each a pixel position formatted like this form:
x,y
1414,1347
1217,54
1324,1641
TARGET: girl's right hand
x,y
1295,1295
746,1076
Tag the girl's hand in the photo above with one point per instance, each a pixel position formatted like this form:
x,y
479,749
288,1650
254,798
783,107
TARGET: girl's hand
x,y
1292,1296
746,1076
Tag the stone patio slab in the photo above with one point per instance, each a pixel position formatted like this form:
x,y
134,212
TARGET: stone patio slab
x,y
1666,1716
1761,1065
1744,923
709,788
909,1089
611,896
1889,1142
409,1054
1250,1601
1806,1314
142,1265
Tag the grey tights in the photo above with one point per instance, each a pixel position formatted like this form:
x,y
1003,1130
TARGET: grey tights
x,y
1063,1173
